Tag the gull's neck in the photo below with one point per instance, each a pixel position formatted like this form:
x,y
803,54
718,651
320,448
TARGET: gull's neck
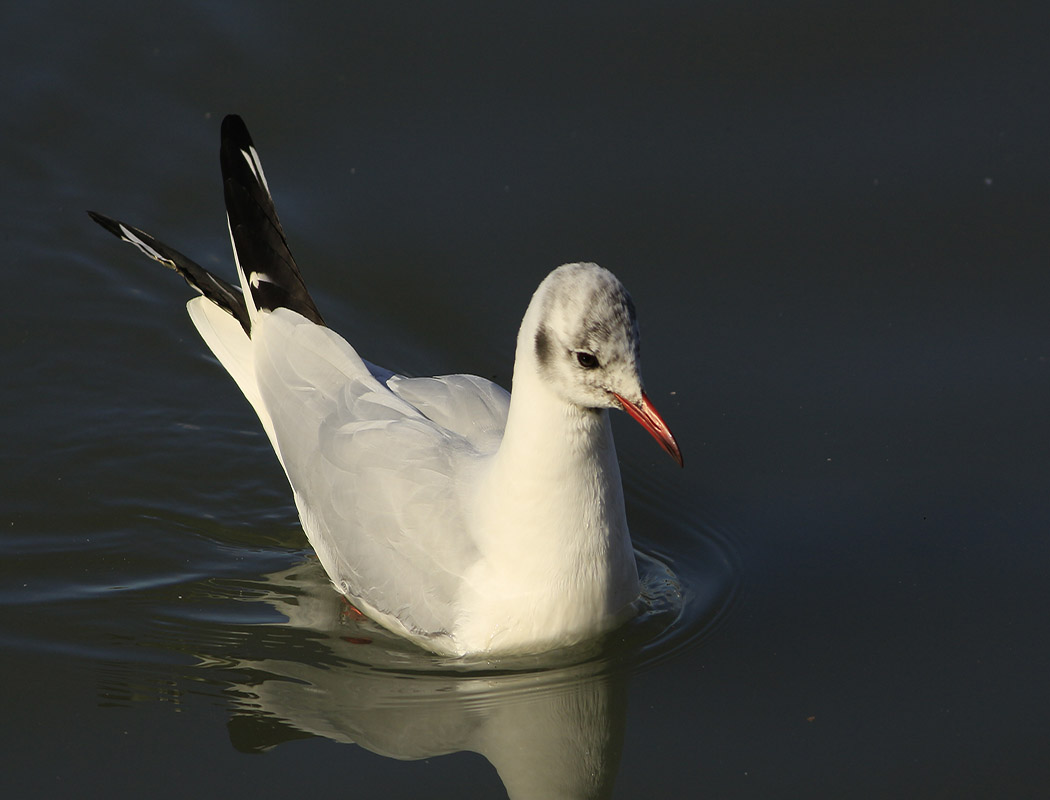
x,y
552,529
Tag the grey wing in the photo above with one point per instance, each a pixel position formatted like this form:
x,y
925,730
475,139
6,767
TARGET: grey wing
x,y
470,406
374,479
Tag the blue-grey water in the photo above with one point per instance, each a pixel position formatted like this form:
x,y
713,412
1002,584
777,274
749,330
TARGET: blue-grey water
x,y
833,219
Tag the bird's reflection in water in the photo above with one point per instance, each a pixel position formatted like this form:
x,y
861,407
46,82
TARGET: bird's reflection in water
x,y
291,660
550,730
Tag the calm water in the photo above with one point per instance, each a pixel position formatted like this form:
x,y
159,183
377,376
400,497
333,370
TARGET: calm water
x,y
834,226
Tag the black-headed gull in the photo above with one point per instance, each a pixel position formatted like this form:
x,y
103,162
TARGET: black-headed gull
x,y
470,520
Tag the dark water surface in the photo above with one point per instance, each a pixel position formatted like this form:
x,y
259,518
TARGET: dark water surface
x,y
833,221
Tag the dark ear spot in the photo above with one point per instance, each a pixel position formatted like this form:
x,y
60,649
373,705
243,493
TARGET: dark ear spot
x,y
544,348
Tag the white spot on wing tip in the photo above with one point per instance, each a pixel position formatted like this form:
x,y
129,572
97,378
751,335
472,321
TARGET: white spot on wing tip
x,y
131,238
251,156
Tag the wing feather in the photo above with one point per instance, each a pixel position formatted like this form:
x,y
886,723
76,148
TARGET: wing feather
x,y
470,406
372,475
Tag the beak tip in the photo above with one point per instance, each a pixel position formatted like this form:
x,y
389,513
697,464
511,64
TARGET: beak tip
x,y
671,447
650,419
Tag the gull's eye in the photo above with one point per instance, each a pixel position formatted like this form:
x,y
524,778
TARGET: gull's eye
x,y
586,360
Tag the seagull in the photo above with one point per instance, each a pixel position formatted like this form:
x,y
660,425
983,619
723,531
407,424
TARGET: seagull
x,y
472,521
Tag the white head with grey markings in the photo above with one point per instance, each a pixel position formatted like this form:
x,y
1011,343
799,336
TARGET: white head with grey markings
x,y
580,336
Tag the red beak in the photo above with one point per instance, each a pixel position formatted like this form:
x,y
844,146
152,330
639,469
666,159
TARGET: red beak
x,y
649,418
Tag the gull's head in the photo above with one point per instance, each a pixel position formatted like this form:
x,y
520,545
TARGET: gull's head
x,y
582,332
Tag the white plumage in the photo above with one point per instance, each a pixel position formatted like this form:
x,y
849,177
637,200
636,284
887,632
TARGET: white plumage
x,y
463,518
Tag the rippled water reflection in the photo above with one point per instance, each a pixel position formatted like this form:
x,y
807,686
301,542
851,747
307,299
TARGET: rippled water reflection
x,y
289,659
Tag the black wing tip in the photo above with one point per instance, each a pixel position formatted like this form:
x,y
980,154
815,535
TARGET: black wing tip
x,y
233,127
108,223
125,232
143,241
257,234
258,237
234,136
214,288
